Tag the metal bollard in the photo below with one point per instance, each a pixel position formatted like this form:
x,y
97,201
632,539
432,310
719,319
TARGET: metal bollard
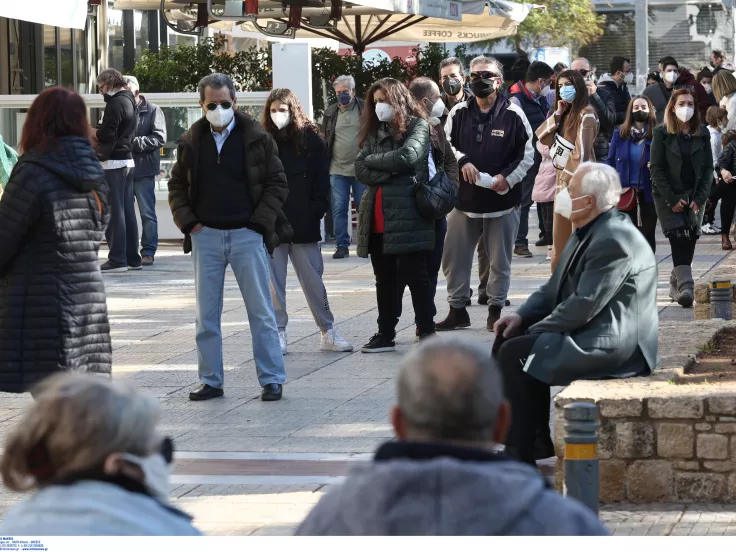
x,y
581,454
720,299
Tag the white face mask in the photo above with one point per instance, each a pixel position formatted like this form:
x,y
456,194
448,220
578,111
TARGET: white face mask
x,y
280,119
438,109
671,76
629,78
563,204
384,112
220,117
684,113
156,474
545,91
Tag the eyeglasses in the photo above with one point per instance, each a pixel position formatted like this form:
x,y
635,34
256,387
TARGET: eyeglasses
x,y
584,72
211,106
479,136
484,75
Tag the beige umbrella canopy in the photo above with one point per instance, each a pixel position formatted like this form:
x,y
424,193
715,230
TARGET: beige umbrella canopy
x,y
359,23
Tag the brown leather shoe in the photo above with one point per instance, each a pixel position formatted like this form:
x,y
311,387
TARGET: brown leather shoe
x,y
726,242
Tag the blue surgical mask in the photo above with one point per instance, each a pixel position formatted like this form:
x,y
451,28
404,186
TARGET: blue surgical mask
x,y
344,98
567,93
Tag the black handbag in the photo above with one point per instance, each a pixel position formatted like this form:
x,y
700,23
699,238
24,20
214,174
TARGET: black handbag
x,y
437,197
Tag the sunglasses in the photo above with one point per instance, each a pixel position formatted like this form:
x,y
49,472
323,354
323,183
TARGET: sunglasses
x,y
584,72
213,105
484,75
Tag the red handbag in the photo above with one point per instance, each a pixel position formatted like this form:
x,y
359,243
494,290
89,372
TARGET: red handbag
x,y
628,200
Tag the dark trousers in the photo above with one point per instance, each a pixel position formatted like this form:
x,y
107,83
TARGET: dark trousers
x,y
527,186
122,232
393,273
546,212
726,193
528,396
644,217
683,250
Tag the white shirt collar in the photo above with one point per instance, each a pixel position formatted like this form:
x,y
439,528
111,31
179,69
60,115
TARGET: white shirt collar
x,y
227,131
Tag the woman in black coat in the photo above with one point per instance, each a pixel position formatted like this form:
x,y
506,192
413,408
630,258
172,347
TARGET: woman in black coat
x,y
393,161
306,164
53,214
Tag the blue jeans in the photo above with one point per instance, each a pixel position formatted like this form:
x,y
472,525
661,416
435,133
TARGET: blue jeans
x,y
341,186
244,251
145,196
122,232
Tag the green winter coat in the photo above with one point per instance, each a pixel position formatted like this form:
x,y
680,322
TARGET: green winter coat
x,y
667,186
395,166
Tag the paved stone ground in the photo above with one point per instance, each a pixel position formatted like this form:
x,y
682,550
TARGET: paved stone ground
x,y
257,468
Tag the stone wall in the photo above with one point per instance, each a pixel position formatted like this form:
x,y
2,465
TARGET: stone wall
x,y
665,449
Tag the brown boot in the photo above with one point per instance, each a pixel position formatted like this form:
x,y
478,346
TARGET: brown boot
x,y
494,315
457,318
726,242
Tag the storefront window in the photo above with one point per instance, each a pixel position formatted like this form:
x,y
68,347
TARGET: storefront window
x,y
67,58
49,56
83,62
115,37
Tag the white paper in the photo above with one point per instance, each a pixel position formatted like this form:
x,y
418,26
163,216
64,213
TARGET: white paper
x,y
486,181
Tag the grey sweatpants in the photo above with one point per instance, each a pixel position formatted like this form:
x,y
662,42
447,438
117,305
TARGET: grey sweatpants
x,y
463,233
306,258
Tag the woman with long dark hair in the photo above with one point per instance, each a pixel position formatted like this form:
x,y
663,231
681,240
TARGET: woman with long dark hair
x,y
570,134
629,155
306,164
53,214
393,160
682,176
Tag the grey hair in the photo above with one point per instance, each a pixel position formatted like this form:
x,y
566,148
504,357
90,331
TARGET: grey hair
x,y
449,388
344,79
112,77
485,60
602,182
132,83
216,81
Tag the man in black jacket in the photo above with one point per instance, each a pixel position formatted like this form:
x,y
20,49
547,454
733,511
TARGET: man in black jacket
x,y
602,101
150,137
114,140
226,192
617,83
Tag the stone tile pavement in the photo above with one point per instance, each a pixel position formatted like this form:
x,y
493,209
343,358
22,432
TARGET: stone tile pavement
x,y
335,406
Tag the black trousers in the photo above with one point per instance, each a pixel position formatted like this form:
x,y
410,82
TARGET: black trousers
x,y
393,273
528,396
546,212
683,250
726,193
648,215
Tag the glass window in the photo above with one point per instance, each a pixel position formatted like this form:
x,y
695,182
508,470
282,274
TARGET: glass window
x,y
67,61
115,37
80,53
49,56
142,35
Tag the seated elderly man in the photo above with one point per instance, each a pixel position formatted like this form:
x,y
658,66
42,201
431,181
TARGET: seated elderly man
x,y
595,318
441,477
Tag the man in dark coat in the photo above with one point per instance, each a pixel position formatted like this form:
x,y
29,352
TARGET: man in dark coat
x,y
53,312
441,476
226,192
673,78
114,139
596,318
530,95
150,137
602,101
617,83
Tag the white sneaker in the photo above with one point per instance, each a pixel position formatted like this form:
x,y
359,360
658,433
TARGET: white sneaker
x,y
283,341
332,341
549,254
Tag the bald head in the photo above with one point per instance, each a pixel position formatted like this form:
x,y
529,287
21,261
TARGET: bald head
x,y
450,389
580,63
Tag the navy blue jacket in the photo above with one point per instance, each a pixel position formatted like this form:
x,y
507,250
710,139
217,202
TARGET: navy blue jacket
x,y
536,111
618,158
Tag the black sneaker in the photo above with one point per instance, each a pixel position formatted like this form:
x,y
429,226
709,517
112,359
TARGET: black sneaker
x,y
272,392
205,393
341,253
494,315
135,267
541,242
379,343
111,268
456,318
148,260
523,251
482,299
423,336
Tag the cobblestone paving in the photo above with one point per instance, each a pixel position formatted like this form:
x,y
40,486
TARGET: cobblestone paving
x,y
333,403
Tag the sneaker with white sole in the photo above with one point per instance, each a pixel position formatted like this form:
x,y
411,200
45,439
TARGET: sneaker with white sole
x,y
284,342
549,254
333,341
107,268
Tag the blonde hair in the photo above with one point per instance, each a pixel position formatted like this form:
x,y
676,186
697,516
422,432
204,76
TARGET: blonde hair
x,y
75,424
724,83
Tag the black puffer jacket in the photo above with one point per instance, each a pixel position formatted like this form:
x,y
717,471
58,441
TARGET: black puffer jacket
x,y
395,166
53,313
307,169
605,108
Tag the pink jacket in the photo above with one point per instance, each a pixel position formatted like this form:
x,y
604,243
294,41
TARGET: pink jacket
x,y
545,183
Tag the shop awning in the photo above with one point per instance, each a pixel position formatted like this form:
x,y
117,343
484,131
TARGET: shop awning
x,y
68,14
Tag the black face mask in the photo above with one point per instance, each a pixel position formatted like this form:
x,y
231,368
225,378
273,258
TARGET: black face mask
x,y
640,116
483,87
452,86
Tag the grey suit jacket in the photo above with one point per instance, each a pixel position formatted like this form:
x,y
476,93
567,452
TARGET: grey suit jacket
x,y
597,315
